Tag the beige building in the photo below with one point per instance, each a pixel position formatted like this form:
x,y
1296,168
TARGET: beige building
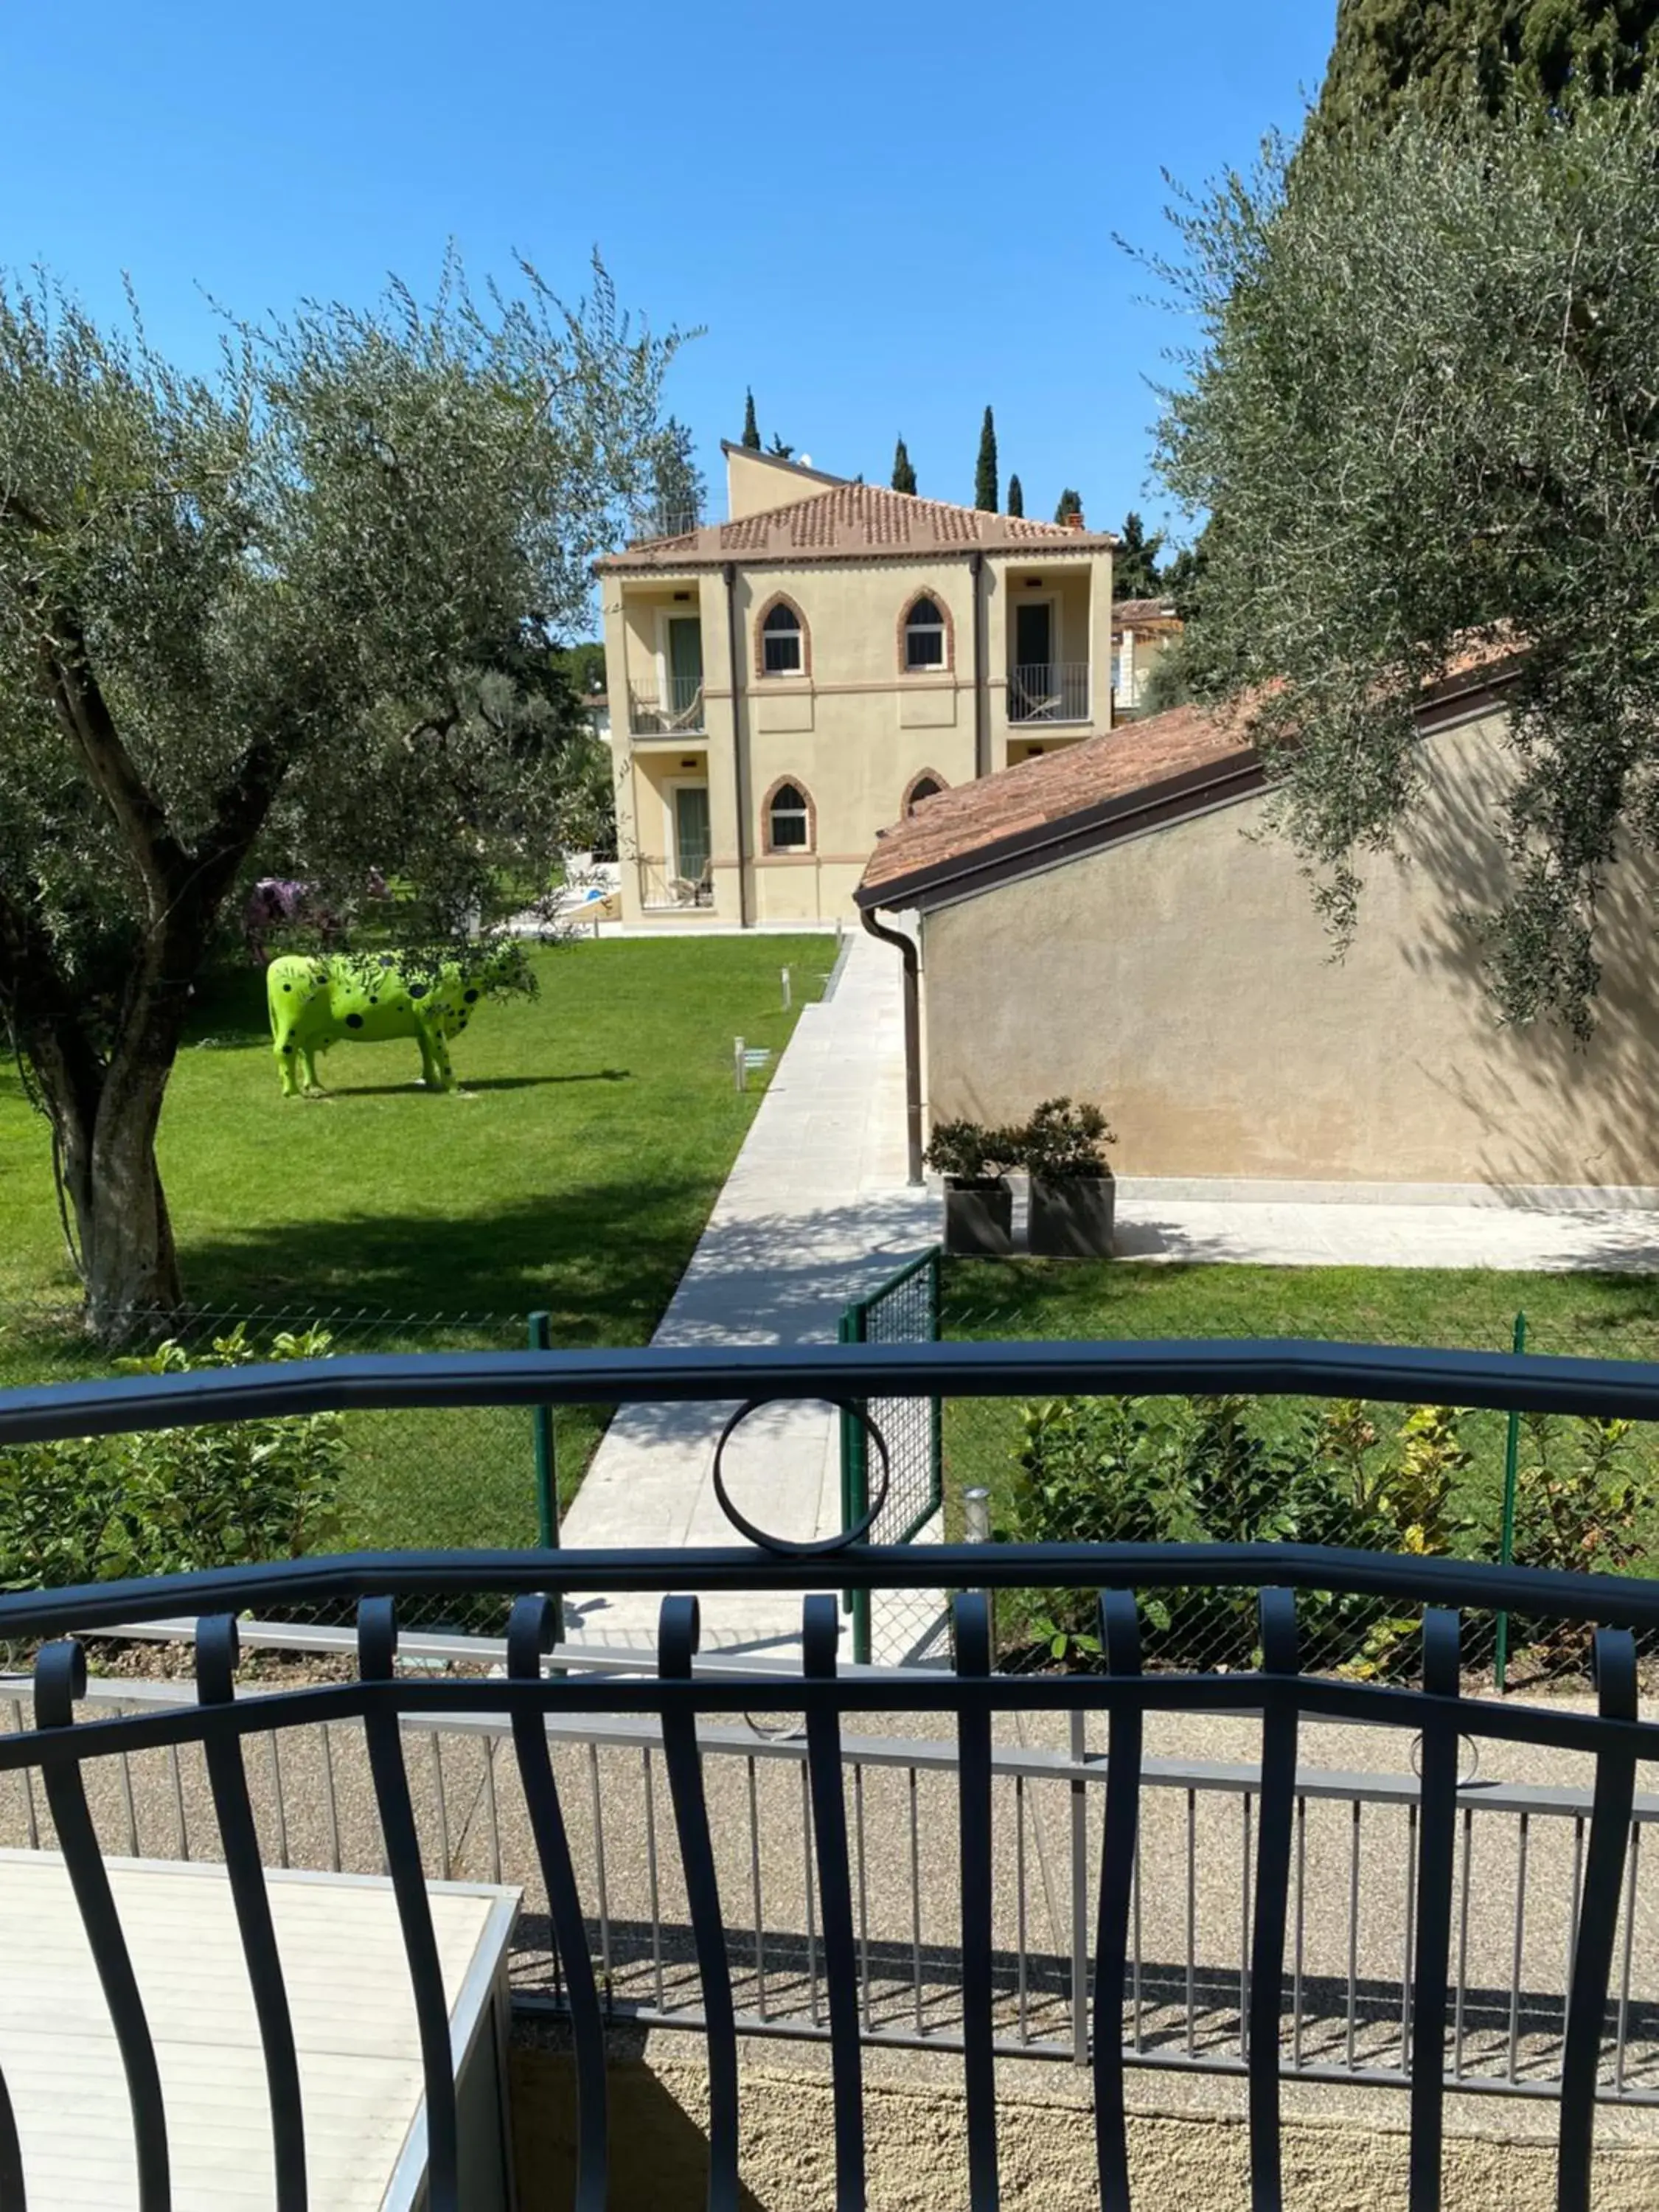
x,y
1143,630
784,684
1110,926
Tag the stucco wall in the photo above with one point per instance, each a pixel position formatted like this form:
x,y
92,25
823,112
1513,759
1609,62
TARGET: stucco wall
x,y
854,730
914,2142
1183,981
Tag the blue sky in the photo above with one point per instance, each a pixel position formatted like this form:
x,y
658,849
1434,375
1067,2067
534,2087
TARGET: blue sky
x,y
882,217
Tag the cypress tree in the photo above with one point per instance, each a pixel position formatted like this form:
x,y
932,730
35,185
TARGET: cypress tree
x,y
904,477
985,475
1071,503
1016,496
1441,54
1134,566
750,427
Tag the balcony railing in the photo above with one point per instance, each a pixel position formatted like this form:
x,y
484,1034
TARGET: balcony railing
x,y
1299,1997
1054,692
675,712
663,890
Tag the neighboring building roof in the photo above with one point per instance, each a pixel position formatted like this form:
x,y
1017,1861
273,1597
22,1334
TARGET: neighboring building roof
x,y
1137,776
1038,803
1145,614
858,522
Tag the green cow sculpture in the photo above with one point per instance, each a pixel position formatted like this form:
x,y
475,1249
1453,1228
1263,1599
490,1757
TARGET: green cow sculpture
x,y
317,1003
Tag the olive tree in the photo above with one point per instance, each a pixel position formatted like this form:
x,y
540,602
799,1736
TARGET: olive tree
x,y
299,614
1423,417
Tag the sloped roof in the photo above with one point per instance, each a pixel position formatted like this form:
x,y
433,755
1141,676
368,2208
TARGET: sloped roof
x,y
1143,614
1135,777
857,522
1085,785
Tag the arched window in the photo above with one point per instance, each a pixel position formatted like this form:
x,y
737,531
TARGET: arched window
x,y
783,640
925,786
926,637
789,818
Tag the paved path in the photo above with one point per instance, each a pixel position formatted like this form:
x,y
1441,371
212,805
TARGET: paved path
x,y
1171,1223
816,1212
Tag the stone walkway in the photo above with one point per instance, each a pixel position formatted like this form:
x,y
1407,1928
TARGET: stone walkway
x,y
816,1212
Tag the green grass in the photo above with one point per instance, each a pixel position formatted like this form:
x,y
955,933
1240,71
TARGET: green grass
x,y
1594,1316
575,1175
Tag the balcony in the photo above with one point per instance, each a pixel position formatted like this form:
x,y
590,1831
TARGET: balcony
x,y
1049,692
675,710
794,1847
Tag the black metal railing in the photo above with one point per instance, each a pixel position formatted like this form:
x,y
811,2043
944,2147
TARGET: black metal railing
x,y
1278,1699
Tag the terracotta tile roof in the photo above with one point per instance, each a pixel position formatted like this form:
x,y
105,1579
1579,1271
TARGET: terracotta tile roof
x,y
1020,801
1141,614
1144,771
850,522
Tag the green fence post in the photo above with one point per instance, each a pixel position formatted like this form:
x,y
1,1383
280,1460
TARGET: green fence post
x,y
1506,1537
541,1429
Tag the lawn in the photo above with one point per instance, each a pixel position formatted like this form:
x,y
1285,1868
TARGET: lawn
x,y
572,1173
1599,1315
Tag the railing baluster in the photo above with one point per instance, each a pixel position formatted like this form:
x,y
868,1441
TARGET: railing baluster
x,y
60,1677
677,1636
216,1654
124,1767
864,1900
755,1883
492,1811
177,1774
1572,1920
1245,1927
1019,1907
1301,1929
1280,1668
331,1803
601,1887
1463,1942
1353,1930
1624,1973
1437,1848
279,1808
652,1880
1408,1948
1611,1804
1120,1641
916,1897
820,1630
1192,1921
441,1805
1520,1938
377,1647
33,1827
532,1631
972,1620
811,1906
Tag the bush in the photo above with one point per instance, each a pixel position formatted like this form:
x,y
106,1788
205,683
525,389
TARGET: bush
x,y
173,1500
969,1152
1061,1141
1235,1470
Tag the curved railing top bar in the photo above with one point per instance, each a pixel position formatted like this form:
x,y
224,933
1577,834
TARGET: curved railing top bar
x,y
1611,1600
662,1375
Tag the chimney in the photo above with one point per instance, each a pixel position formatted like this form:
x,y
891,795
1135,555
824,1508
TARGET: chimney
x,y
1076,521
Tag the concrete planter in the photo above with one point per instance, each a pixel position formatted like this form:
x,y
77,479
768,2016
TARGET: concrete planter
x,y
1072,1219
979,1218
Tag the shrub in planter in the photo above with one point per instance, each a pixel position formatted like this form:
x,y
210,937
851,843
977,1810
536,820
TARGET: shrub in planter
x,y
1073,1192
979,1202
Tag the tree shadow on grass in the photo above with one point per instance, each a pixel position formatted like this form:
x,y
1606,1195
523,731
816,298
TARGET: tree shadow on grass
x,y
479,1083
